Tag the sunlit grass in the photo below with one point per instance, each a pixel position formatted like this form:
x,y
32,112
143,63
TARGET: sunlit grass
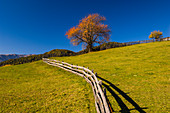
x,y
38,87
141,71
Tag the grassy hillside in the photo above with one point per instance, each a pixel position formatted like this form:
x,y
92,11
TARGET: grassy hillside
x,y
137,77
38,87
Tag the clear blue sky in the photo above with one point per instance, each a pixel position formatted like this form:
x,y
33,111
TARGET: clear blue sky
x,y
38,26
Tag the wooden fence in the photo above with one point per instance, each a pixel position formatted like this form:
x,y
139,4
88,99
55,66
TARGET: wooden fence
x,y
140,42
147,41
99,93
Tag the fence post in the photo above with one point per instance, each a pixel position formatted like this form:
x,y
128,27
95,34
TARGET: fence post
x,y
92,71
104,90
100,82
83,70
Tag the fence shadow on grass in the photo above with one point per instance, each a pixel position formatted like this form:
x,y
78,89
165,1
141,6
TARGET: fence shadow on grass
x,y
124,108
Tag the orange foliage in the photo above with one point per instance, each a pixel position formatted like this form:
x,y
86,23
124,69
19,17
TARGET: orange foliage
x,y
156,34
7,65
89,31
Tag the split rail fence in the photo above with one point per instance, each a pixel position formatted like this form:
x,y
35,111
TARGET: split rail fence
x,y
99,93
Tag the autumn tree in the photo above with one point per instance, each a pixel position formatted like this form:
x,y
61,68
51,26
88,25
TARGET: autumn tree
x,y
89,31
156,34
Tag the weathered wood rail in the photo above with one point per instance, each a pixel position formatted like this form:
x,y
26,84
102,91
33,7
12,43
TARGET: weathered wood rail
x,y
99,93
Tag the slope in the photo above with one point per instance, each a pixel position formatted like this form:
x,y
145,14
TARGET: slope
x,y
38,87
136,77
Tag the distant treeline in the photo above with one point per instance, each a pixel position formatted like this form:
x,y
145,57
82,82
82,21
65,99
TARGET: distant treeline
x,y
53,53
103,47
58,53
63,52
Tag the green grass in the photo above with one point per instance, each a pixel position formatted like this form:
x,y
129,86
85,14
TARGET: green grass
x,y
38,87
141,72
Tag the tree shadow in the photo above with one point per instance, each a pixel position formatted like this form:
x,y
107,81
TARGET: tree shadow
x,y
124,108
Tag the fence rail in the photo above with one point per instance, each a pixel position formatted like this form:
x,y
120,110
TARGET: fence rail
x,y
99,93
147,41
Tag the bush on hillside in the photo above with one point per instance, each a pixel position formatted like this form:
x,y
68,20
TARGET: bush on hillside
x,y
103,47
58,53
108,46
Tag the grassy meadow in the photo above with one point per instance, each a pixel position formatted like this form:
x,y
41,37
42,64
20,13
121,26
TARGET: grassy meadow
x,y
38,87
137,79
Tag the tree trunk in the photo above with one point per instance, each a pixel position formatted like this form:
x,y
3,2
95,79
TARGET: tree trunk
x,y
89,47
